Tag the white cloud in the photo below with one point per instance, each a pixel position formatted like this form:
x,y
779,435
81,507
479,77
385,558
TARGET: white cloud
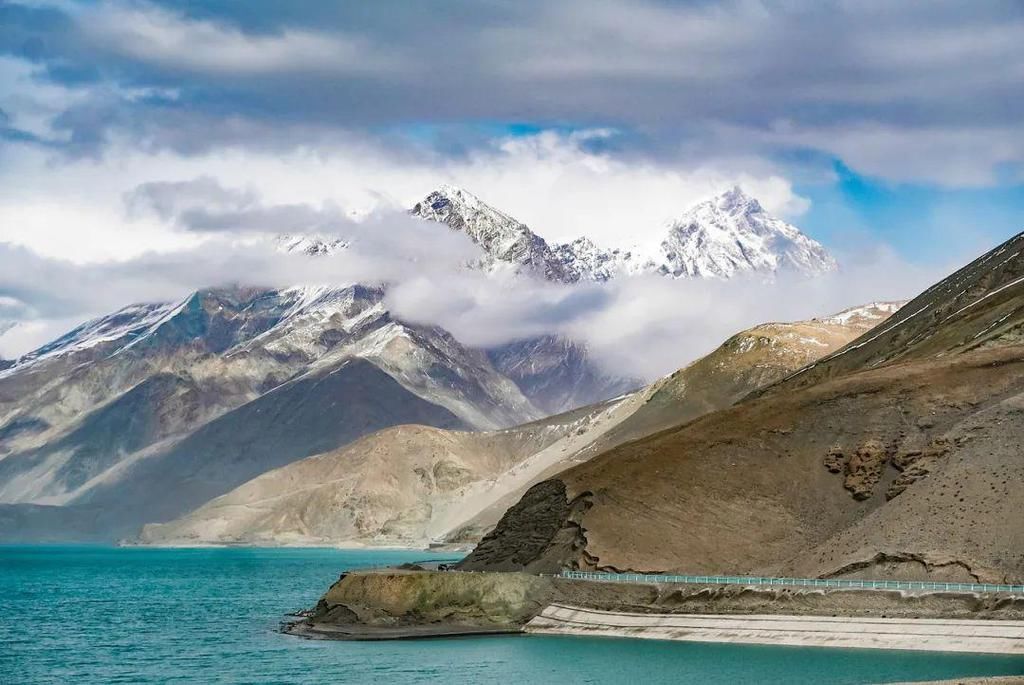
x,y
641,326
154,35
22,336
554,184
551,181
31,103
185,222
648,326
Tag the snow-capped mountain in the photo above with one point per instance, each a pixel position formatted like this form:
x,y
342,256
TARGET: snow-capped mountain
x,y
502,238
726,236
589,262
312,245
732,234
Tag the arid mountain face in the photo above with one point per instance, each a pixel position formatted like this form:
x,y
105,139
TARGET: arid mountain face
x,y
143,415
901,454
400,486
978,307
413,485
751,359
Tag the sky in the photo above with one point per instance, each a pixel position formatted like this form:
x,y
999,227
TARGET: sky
x,y
890,132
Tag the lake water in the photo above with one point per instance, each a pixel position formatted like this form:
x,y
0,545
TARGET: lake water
x,y
108,615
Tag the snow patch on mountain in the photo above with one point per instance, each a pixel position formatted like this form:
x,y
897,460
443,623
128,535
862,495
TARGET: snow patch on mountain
x,y
312,245
589,262
124,326
871,312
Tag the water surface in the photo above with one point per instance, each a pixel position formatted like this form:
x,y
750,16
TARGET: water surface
x,y
109,615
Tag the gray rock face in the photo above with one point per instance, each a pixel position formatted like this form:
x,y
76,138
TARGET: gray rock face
x,y
305,416
502,238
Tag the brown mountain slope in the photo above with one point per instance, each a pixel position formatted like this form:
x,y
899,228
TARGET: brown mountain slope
x,y
976,307
751,359
911,468
411,485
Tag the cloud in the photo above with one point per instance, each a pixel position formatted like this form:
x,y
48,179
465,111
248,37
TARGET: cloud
x,y
203,205
171,200
947,156
209,75
562,185
643,326
648,326
153,35
152,138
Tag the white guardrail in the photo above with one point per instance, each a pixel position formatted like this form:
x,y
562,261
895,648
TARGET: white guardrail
x,y
653,579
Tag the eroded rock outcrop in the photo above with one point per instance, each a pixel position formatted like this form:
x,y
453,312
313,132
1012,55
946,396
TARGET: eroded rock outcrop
x,y
540,533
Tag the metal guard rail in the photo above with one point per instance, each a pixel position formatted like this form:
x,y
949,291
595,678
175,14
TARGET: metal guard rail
x,y
649,578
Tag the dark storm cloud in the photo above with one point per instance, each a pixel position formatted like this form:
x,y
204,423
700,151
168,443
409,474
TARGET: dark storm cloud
x,y
750,75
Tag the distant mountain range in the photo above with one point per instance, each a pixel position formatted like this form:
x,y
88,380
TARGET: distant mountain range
x,y
414,485
144,414
726,236
156,408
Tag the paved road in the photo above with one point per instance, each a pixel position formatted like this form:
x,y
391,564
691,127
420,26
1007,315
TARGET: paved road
x,y
789,582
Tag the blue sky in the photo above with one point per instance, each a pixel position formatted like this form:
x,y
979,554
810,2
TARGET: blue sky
x,y
924,222
874,126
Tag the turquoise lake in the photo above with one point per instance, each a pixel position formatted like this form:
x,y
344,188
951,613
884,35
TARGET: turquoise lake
x,y
109,615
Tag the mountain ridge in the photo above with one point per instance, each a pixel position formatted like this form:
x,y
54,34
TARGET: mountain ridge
x,y
389,489
723,237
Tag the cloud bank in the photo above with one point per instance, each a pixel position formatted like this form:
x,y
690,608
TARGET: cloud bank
x,y
844,79
152,147
643,326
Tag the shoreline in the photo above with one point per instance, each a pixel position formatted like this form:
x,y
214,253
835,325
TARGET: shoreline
x,y
405,603
975,636
357,633
354,547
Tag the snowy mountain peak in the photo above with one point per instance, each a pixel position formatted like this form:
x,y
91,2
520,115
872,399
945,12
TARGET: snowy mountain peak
x,y
587,261
725,236
502,238
731,234
313,245
735,201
